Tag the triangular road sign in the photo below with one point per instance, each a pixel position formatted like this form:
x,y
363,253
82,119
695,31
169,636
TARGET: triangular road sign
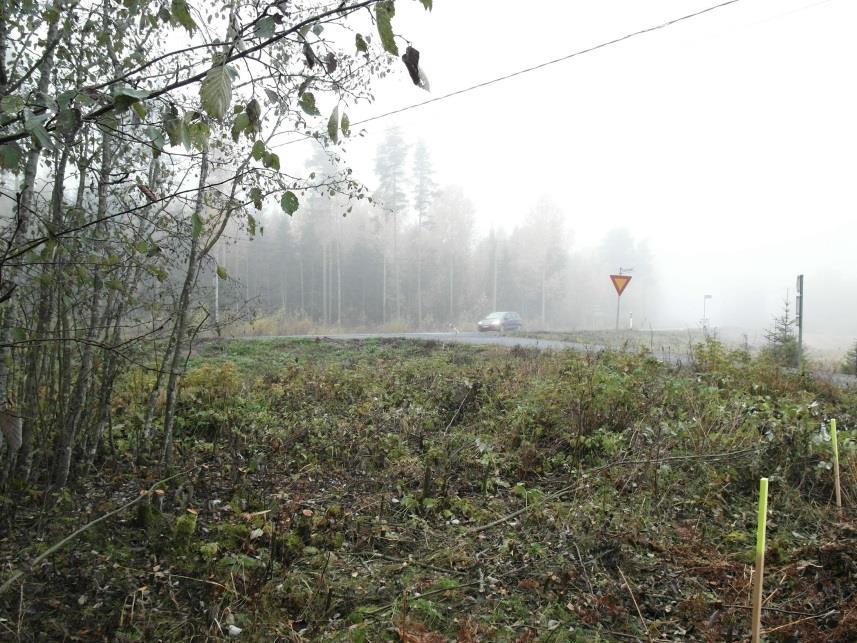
x,y
620,282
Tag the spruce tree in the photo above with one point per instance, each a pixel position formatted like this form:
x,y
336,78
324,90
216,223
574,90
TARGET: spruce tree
x,y
849,364
782,340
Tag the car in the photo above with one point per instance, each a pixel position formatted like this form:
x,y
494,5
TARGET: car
x,y
500,321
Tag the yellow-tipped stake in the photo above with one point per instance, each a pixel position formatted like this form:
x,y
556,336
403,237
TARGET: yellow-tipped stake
x,y
835,441
760,558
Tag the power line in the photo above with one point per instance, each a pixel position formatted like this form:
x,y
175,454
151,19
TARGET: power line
x,y
527,70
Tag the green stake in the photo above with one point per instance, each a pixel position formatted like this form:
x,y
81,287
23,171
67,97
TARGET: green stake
x,y
835,442
760,558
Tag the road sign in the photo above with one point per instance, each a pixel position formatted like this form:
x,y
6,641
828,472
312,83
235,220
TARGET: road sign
x,y
620,282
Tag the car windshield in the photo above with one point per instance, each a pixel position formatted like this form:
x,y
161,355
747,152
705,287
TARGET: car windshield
x,y
495,316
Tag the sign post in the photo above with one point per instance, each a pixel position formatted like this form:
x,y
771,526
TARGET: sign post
x,y
799,320
620,282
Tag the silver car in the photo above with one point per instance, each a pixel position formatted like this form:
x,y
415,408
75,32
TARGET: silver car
x,y
500,321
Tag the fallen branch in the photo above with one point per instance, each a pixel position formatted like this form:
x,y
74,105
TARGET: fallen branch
x,y
53,548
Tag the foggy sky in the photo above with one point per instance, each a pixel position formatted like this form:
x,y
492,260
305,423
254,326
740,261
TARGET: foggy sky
x,y
726,142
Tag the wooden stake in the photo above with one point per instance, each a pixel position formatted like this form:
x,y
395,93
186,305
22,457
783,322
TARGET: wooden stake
x,y
760,559
835,441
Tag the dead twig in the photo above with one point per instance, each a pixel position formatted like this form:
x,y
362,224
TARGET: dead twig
x,y
388,606
418,563
800,620
458,410
583,567
778,610
636,606
207,582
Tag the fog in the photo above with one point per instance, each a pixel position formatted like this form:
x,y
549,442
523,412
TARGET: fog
x,y
724,143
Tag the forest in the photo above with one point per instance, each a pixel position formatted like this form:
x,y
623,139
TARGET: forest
x,y
413,259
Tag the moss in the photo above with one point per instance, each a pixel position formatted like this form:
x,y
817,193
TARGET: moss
x,y
208,551
183,530
288,547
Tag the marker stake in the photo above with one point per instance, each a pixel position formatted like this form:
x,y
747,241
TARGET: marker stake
x,y
835,441
761,525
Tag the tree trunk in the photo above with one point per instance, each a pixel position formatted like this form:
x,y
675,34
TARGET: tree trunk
x,y
21,435
74,414
66,440
219,252
396,276
180,327
452,289
338,277
420,272
324,311
384,290
303,304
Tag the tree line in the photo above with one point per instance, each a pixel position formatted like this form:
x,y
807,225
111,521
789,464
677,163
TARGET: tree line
x,y
412,257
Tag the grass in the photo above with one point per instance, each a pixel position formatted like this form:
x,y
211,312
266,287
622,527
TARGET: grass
x,y
680,342
398,490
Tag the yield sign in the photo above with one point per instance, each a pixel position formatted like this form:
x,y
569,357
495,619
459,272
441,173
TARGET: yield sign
x,y
620,282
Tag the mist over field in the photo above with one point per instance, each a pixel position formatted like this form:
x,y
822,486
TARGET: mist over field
x,y
721,146
722,165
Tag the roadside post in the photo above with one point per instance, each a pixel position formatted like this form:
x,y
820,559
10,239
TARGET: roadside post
x,y
620,282
799,320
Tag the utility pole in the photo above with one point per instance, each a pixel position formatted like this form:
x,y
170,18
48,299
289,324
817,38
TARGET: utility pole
x,y
799,320
494,261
